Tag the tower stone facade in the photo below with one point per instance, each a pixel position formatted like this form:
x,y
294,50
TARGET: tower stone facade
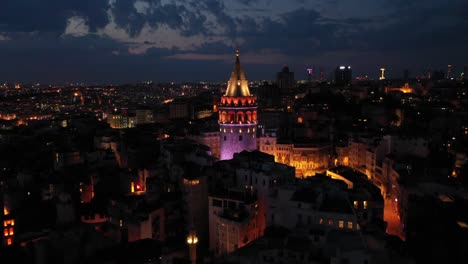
x,y
237,115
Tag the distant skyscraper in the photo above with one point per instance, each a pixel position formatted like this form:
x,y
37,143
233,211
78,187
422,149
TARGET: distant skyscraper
x,y
382,74
449,71
285,80
343,75
309,74
237,115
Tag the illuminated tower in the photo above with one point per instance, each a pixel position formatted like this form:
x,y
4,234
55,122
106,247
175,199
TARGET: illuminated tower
x,y
237,115
382,74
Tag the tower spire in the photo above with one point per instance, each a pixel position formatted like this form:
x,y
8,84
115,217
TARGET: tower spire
x,y
238,84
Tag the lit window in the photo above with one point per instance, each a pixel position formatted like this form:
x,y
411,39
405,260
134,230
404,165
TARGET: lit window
x,y
341,224
5,223
240,130
5,232
11,231
12,222
356,204
330,221
365,204
121,223
350,225
9,241
321,221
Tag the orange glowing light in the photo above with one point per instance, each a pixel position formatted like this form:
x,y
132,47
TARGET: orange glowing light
x,y
6,211
9,242
5,232
192,239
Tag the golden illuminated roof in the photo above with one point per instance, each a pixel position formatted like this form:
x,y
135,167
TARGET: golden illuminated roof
x,y
237,85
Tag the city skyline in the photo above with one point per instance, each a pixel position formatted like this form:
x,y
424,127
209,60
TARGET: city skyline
x,y
129,41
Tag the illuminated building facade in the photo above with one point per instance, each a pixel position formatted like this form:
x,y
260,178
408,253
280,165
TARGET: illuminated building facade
x,y
233,220
8,224
237,116
237,215
120,121
306,158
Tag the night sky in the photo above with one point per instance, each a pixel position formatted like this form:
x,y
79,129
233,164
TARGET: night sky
x,y
174,40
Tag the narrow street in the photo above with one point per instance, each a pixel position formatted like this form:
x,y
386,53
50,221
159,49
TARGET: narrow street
x,y
392,217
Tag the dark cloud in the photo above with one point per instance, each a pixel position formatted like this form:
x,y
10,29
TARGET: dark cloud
x,y
51,15
405,34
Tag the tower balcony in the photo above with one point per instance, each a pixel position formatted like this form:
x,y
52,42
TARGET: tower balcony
x,y
244,101
239,116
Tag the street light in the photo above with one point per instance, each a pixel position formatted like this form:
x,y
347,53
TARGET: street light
x,y
192,241
192,238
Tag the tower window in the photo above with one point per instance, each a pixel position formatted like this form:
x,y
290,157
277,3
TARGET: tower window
x,y
224,138
240,138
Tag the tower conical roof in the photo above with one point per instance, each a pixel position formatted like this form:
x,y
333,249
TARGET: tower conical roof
x,y
237,85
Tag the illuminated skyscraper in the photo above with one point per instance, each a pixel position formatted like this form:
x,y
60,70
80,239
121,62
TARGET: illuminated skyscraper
x,y
382,74
343,75
237,115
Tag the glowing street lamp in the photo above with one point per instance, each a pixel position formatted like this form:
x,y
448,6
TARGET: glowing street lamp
x,y
192,241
